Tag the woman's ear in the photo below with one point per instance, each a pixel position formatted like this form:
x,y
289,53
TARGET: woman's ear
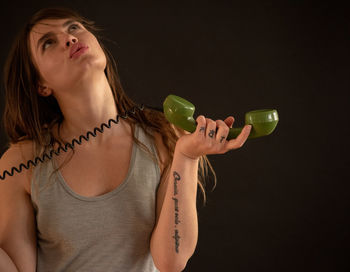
x,y
44,91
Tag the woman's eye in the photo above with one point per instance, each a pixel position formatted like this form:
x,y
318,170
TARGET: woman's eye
x,y
73,25
48,41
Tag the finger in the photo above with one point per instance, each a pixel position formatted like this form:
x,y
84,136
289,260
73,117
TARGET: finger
x,y
229,121
222,131
211,129
201,125
241,138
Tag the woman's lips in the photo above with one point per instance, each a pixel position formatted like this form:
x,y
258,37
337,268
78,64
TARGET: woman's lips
x,y
79,52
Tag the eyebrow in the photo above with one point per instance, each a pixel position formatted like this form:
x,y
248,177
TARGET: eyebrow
x,y
48,34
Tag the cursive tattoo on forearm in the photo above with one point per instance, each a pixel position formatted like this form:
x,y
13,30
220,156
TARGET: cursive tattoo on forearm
x,y
176,204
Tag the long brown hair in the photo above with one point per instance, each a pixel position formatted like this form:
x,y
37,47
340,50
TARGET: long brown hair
x,y
29,116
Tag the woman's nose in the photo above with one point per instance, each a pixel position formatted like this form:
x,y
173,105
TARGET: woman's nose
x,y
70,41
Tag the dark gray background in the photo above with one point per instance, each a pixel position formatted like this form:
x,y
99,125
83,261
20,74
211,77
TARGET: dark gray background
x,y
281,201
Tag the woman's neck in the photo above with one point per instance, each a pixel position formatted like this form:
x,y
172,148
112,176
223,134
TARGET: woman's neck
x,y
87,107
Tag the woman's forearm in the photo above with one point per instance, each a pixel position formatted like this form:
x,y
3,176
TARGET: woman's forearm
x,y
6,264
175,237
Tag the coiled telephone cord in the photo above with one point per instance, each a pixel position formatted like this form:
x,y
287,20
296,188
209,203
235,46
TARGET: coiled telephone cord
x,y
70,145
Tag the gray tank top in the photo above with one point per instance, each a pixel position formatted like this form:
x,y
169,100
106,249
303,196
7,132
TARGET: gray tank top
x,y
110,232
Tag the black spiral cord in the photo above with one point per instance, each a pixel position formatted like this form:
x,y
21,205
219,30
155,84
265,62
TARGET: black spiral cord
x,y
71,146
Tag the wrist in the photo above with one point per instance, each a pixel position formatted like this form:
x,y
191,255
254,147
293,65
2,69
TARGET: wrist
x,y
182,155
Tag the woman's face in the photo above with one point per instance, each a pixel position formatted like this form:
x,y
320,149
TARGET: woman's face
x,y
51,54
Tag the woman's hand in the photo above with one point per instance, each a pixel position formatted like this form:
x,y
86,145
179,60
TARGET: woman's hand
x,y
210,138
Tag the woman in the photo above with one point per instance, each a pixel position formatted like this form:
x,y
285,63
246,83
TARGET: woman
x,y
126,200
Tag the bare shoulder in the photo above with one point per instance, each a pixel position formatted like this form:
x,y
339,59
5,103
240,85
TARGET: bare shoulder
x,y
16,154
